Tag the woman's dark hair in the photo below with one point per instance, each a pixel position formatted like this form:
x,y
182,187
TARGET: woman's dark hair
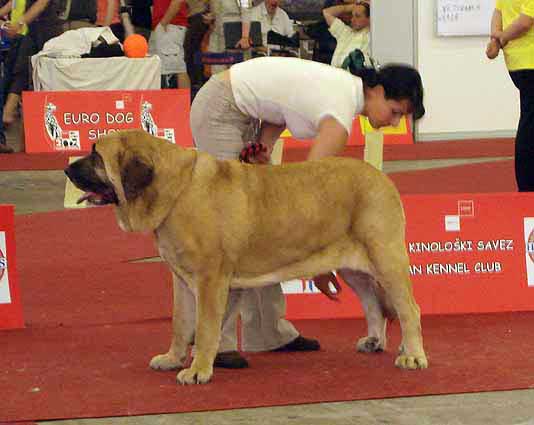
x,y
399,81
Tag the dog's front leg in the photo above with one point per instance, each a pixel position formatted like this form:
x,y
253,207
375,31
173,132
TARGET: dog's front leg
x,y
212,293
183,327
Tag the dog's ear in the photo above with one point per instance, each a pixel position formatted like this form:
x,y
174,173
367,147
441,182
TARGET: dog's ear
x,y
136,176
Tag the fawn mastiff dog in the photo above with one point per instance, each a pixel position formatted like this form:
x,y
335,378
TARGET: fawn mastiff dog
x,y
223,224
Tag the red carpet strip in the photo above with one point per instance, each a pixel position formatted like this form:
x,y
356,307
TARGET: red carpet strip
x,y
37,161
487,177
476,148
425,150
97,371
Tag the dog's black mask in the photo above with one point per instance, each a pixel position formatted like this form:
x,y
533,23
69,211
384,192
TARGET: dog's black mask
x,y
83,174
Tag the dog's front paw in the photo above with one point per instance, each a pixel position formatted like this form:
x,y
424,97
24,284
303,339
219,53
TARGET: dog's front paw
x,y
195,375
370,344
165,362
405,361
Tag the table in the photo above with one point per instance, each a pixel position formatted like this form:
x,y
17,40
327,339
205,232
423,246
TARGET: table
x,y
114,73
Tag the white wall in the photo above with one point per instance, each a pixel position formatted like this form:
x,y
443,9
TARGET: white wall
x,y
467,95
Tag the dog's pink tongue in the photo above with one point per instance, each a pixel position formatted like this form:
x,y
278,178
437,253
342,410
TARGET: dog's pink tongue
x,y
85,197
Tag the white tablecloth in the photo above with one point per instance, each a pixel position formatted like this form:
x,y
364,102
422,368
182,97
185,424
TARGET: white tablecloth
x,y
115,73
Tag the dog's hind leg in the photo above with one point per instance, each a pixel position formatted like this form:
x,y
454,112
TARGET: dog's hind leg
x,y
365,287
212,285
391,263
183,328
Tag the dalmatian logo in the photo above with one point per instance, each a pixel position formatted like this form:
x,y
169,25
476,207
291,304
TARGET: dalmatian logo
x,y
61,140
147,121
3,264
529,248
149,124
51,124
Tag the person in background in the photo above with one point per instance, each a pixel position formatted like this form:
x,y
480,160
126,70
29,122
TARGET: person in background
x,y
196,30
42,19
220,12
512,30
79,14
355,36
9,14
169,20
325,44
272,18
107,13
140,13
314,101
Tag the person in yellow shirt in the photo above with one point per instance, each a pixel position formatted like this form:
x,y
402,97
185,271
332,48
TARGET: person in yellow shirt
x,y
13,32
512,30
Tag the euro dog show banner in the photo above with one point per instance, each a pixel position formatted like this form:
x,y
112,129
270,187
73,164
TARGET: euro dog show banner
x,y
70,122
469,253
10,305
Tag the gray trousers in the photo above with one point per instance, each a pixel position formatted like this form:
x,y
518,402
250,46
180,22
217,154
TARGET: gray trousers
x,y
219,128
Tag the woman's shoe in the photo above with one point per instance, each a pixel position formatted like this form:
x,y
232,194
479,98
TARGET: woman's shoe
x,y
5,148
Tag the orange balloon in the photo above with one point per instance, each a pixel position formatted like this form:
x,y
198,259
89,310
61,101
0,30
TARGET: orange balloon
x,y
135,46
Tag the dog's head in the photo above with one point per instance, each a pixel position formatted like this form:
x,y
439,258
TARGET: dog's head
x,y
89,175
134,171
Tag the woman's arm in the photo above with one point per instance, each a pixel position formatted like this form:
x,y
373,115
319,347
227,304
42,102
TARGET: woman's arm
x,y
496,22
126,20
244,42
269,134
33,12
29,16
516,29
494,45
331,139
5,9
172,11
110,12
331,13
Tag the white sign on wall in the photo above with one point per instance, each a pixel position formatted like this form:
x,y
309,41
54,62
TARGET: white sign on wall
x,y
5,296
529,251
464,17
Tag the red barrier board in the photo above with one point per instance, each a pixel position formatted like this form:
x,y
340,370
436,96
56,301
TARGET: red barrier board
x,y
10,305
469,253
61,121
400,135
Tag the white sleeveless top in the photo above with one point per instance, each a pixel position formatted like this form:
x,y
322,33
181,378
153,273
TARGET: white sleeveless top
x,y
297,92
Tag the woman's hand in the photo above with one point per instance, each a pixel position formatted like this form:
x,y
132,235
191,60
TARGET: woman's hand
x,y
323,281
256,153
12,30
208,18
499,37
243,43
492,49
